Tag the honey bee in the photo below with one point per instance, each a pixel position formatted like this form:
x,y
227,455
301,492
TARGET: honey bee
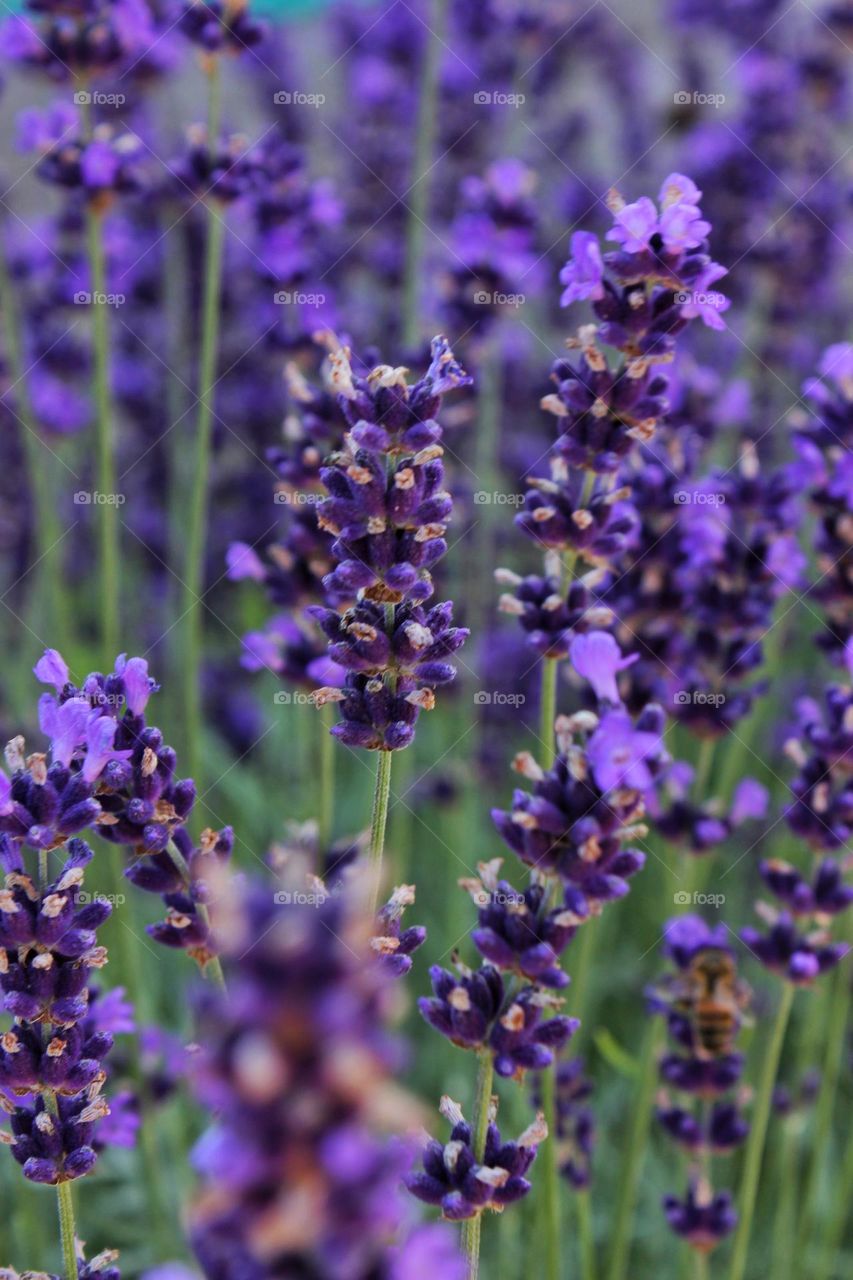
x,y
712,997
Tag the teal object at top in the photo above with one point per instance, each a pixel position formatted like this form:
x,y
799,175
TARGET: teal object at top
x,y
288,8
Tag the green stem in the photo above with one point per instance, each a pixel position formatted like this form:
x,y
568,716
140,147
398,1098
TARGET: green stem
x,y
704,767
758,1134
840,1217
586,1236
547,713
65,1202
378,822
67,1229
108,526
632,1161
327,780
551,1177
482,1103
826,1099
419,192
700,1265
480,590
46,527
786,1208
197,518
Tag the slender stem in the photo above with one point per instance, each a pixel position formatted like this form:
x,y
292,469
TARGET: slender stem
x,y
479,588
700,1265
419,190
826,1097
704,768
197,519
482,1103
586,1237
758,1134
840,1217
327,780
46,527
195,542
107,504
551,1177
547,713
378,822
785,1221
214,98
67,1229
632,1161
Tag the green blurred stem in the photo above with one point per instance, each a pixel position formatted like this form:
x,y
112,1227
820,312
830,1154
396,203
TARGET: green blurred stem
x,y
327,780
46,527
213,967
551,1176
65,1203
758,1134
67,1229
419,190
785,1221
704,768
632,1161
482,1104
586,1237
835,1228
480,590
378,822
700,1265
826,1098
107,507
197,520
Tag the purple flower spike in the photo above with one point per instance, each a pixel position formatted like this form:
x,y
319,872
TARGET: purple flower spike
x,y
463,1186
799,958
702,1219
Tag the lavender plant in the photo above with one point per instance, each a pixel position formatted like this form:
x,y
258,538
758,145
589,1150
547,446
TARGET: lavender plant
x,y
203,216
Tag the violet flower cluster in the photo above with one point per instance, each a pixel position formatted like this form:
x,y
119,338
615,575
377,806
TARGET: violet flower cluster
x,y
387,510
52,1057
296,1064
112,773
